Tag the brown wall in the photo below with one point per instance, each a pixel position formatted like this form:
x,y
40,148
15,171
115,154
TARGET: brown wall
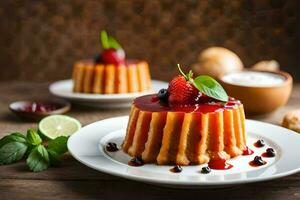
x,y
41,39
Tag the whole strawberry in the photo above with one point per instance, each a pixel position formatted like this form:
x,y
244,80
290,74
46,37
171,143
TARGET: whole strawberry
x,y
112,51
181,90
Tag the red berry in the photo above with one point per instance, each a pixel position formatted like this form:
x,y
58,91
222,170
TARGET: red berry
x,y
113,56
182,92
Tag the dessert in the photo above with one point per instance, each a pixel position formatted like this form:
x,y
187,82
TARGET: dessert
x,y
110,72
192,122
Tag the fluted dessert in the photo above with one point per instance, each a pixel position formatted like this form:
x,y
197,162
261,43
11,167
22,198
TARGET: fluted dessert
x,y
183,126
110,72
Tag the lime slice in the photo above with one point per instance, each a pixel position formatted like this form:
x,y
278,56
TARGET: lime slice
x,y
58,125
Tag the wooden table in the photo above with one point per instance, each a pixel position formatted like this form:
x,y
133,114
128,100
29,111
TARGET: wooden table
x,y
75,181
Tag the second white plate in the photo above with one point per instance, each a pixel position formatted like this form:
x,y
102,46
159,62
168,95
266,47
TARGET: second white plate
x,y
64,89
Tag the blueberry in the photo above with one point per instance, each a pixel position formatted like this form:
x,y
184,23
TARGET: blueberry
x,y
163,94
260,143
111,147
205,170
137,161
270,152
97,59
177,169
258,160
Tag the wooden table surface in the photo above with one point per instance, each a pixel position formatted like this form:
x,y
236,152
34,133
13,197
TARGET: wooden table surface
x,y
75,181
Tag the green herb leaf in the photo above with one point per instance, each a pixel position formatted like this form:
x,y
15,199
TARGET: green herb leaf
x,y
210,87
12,151
12,148
38,159
33,137
104,40
113,43
59,145
14,137
55,158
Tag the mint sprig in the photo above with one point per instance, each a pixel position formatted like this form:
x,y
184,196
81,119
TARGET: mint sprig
x,y
12,148
108,41
12,152
58,145
38,159
33,137
40,156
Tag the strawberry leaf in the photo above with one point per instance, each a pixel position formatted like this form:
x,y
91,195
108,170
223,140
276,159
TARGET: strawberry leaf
x,y
113,43
210,87
104,40
108,41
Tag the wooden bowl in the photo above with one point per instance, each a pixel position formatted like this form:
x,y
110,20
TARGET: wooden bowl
x,y
20,109
261,99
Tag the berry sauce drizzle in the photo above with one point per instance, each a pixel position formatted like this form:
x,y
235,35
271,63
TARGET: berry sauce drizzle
x,y
176,169
219,164
247,152
151,103
252,163
259,143
136,162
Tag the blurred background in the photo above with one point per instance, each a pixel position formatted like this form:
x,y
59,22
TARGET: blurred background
x,y
40,40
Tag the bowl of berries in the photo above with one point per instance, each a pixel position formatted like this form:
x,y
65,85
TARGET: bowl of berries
x,y
35,110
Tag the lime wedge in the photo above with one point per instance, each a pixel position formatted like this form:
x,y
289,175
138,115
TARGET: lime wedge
x,y
58,125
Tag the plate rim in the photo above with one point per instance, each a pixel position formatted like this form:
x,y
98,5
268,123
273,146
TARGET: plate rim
x,y
87,97
173,182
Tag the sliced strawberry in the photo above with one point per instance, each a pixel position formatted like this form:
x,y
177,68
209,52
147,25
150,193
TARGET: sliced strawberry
x,y
182,92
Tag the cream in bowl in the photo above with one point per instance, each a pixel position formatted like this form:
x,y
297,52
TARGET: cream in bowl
x,y
260,91
255,79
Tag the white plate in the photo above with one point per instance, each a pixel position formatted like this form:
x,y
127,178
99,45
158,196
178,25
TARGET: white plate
x,y
88,147
64,89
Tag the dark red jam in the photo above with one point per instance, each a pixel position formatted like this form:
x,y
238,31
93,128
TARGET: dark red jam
x,y
111,147
247,152
136,162
36,107
219,164
270,152
259,143
257,161
176,169
151,103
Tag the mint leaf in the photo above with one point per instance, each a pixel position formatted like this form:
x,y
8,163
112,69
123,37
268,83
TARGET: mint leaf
x,y
14,137
56,148
12,151
55,158
59,145
113,43
12,148
33,137
210,87
38,159
104,40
